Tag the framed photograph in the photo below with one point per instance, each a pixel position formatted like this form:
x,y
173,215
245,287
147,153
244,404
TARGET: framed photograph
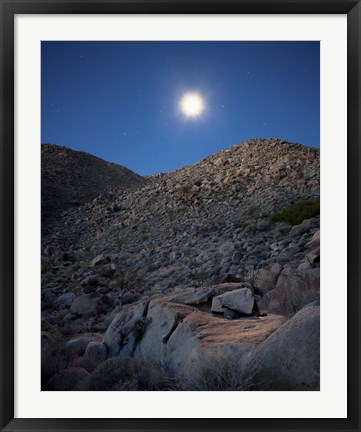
x,y
170,175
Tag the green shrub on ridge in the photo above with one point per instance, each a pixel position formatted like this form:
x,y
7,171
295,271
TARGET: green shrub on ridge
x,y
297,213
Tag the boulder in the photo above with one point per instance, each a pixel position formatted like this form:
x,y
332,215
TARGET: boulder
x,y
294,289
304,265
197,296
241,301
303,227
314,242
162,320
77,345
96,351
69,317
65,299
288,253
86,304
313,256
193,296
266,278
227,248
289,359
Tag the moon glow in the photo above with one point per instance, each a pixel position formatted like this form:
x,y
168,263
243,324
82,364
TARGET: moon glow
x,y
192,105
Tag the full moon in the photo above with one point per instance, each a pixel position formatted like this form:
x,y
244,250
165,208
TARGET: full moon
x,y
192,105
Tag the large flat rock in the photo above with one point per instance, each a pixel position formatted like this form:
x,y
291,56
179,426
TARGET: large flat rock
x,y
175,333
197,296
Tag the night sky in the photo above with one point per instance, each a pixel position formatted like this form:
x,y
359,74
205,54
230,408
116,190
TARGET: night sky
x,y
121,100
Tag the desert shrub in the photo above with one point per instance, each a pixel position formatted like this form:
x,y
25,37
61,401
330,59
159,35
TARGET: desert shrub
x,y
200,277
120,374
127,281
153,376
247,275
222,370
297,213
123,280
54,358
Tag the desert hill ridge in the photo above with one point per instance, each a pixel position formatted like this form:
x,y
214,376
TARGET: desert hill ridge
x,y
267,143
90,176
71,177
210,201
187,262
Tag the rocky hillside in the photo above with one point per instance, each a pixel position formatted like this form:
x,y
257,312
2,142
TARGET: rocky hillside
x,y
71,178
219,257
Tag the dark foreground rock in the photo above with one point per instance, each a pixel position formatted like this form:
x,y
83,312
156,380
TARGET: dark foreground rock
x,y
290,358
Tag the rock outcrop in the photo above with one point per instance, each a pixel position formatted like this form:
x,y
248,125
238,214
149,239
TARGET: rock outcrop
x,y
175,330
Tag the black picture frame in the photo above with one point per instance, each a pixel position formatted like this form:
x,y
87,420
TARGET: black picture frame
x,y
8,9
